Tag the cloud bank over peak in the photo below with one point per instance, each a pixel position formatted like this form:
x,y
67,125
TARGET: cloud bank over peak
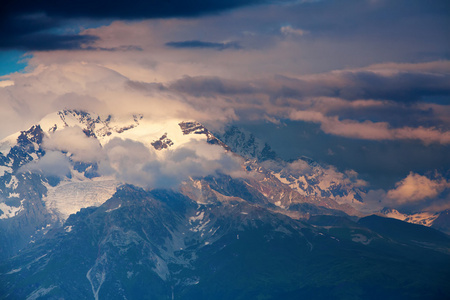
x,y
74,141
341,102
134,163
130,161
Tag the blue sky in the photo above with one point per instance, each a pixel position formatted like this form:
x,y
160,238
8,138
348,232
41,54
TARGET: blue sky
x,y
12,61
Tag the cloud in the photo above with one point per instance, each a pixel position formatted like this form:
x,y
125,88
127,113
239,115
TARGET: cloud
x,y
53,163
74,141
31,25
371,130
35,31
300,166
362,73
416,188
76,101
125,160
5,83
204,45
211,86
289,30
374,200
95,88
414,193
335,78
122,9
403,83
211,98
132,162
45,42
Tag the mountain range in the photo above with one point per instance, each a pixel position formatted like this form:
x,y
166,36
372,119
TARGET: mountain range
x,y
129,208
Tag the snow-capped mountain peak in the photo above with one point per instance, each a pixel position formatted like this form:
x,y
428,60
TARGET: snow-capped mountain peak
x,y
154,134
422,218
67,136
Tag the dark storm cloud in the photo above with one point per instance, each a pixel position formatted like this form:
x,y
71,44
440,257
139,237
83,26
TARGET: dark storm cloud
x,y
403,86
202,44
33,25
371,21
34,32
45,42
123,9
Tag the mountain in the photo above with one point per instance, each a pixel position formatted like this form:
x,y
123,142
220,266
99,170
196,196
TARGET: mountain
x,y
33,196
162,245
130,208
320,181
246,144
303,175
442,222
437,220
23,215
422,218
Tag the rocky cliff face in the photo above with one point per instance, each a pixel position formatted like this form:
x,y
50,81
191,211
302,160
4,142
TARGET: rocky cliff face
x,y
23,216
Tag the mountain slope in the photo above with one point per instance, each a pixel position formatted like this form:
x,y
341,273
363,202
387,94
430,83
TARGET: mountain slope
x,y
304,175
162,245
206,223
321,182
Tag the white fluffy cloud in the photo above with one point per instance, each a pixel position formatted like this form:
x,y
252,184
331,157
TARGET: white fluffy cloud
x,y
75,142
132,162
53,163
416,188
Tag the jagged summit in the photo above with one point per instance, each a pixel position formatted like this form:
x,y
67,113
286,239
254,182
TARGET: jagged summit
x,y
197,128
157,134
422,218
82,185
